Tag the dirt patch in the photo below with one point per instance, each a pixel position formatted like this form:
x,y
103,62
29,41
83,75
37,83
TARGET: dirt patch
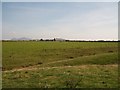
x,y
80,66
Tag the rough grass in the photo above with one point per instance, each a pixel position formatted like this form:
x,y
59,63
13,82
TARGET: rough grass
x,y
60,64
23,54
99,59
84,76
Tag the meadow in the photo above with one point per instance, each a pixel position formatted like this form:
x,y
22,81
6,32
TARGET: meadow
x,y
42,64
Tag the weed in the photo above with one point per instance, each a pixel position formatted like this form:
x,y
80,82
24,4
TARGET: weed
x,y
72,81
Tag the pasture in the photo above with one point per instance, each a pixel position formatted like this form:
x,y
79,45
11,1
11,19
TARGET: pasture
x,y
42,64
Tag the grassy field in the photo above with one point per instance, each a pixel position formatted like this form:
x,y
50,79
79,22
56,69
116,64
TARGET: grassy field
x,y
60,64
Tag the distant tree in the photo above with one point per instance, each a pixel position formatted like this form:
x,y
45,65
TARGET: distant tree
x,y
67,40
54,39
100,40
41,39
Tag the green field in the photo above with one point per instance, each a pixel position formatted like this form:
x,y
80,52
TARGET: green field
x,y
40,64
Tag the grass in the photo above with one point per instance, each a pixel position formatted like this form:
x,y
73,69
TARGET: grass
x,y
17,54
84,76
100,59
60,64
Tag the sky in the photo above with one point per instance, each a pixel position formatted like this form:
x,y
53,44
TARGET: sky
x,y
60,0
0,21
68,20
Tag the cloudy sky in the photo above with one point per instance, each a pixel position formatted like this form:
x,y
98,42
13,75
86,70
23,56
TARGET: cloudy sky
x,y
68,20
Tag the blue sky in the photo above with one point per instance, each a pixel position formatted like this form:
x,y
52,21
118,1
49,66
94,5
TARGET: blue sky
x,y
69,20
